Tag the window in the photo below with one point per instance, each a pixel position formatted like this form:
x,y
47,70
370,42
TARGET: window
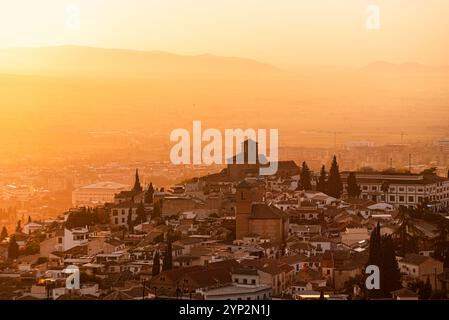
x,y
59,240
236,280
114,212
253,281
392,198
116,220
123,220
401,198
401,189
365,188
411,199
245,281
374,188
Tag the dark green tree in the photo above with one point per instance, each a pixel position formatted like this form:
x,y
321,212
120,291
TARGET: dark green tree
x,y
375,257
442,252
130,220
156,264
385,187
157,210
334,184
375,254
306,177
13,248
353,188
80,218
443,229
29,219
390,275
3,234
168,256
149,194
137,186
141,216
321,185
407,233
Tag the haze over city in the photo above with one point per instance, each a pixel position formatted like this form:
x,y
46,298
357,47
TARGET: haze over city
x,y
357,92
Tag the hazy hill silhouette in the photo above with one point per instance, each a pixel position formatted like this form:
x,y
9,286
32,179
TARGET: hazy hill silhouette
x,y
88,61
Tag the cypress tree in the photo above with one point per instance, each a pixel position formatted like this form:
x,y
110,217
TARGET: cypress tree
x,y
390,275
29,219
130,220
141,213
137,186
156,264
149,194
13,248
321,185
305,177
375,257
334,184
353,188
168,256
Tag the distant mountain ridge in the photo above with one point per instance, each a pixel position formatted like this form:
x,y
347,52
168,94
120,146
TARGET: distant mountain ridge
x,y
408,67
92,61
100,61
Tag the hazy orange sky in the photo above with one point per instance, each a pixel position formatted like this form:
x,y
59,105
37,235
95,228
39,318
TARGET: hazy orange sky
x,y
285,33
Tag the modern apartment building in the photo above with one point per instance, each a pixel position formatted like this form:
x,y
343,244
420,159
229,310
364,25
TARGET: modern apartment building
x,y
403,188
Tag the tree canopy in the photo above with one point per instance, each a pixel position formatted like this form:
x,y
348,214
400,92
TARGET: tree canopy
x,y
321,185
306,177
353,188
334,183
